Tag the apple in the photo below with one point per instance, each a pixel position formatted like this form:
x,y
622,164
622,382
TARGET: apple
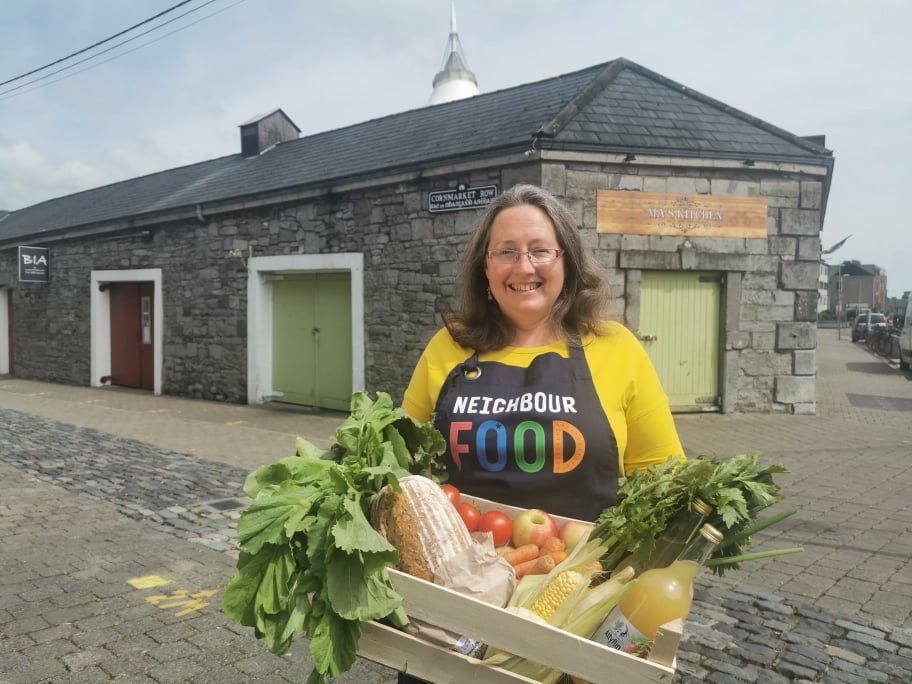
x,y
533,526
572,531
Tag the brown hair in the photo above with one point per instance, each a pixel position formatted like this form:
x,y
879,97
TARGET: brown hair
x,y
480,325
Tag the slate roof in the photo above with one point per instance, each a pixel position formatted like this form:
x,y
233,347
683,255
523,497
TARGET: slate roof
x,y
855,268
617,106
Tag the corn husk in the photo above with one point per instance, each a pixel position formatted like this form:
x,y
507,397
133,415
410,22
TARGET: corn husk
x,y
581,613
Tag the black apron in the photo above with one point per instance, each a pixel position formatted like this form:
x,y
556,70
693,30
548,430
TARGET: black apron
x,y
533,437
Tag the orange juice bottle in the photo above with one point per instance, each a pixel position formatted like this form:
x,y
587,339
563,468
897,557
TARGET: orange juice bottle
x,y
658,596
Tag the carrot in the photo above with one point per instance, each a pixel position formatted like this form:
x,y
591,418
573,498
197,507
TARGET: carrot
x,y
521,554
557,556
553,544
537,566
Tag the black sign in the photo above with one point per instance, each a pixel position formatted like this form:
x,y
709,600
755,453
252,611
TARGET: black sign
x,y
34,264
461,198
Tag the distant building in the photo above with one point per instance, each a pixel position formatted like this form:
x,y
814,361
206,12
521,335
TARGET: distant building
x,y
863,286
823,288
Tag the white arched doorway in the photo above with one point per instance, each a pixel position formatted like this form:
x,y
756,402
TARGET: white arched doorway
x,y
263,273
100,312
5,364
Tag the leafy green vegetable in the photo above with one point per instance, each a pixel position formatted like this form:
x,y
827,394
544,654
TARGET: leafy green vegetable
x,y
310,561
737,489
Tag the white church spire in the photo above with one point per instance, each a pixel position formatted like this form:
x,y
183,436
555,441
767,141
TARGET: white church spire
x,y
455,80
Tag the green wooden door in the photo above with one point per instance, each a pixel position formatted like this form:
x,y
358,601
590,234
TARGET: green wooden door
x,y
312,340
679,327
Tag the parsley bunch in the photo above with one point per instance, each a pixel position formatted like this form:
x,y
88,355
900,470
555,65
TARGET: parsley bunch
x,y
737,488
310,560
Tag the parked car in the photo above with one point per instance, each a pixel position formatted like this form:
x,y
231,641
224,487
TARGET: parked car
x,y
864,324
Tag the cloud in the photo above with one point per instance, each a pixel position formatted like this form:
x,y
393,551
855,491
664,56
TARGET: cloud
x,y
27,176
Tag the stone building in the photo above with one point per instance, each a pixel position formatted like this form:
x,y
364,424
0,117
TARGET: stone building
x,y
300,269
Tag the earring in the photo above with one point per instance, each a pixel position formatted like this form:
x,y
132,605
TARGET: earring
x,y
490,296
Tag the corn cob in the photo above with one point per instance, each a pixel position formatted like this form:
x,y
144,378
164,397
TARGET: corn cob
x,y
557,592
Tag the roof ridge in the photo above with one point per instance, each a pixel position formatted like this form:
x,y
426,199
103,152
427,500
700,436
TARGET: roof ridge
x,y
582,98
454,103
728,109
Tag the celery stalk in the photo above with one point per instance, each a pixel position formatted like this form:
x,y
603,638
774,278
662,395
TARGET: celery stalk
x,y
758,555
757,526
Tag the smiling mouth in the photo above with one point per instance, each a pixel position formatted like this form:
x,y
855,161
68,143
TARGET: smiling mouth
x,y
525,287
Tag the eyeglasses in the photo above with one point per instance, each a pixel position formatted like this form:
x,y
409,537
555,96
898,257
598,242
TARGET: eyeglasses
x,y
541,255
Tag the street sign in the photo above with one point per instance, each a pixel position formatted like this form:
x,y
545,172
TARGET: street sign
x,y
461,198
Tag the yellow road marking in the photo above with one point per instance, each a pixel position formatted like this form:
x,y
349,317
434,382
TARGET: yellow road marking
x,y
148,582
235,422
181,598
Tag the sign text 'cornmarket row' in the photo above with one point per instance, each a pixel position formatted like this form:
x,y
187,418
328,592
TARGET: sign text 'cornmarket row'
x,y
461,198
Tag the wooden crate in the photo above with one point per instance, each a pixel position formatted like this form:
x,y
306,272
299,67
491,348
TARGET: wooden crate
x,y
581,658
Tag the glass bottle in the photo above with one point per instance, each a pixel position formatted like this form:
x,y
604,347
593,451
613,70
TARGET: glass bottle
x,y
659,595
672,540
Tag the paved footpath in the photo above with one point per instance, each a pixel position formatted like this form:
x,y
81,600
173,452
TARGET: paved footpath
x,y
118,515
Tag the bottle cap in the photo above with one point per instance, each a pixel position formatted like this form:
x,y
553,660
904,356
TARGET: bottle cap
x,y
701,507
711,533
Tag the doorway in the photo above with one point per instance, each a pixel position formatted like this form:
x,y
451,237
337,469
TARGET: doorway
x,y
680,315
6,331
310,291
103,284
311,340
132,306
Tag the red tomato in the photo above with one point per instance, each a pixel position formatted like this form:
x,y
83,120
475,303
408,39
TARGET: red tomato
x,y
469,514
499,525
451,492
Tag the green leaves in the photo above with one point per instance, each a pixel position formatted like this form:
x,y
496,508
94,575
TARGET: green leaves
x,y
353,532
240,598
333,646
310,560
737,489
357,592
264,520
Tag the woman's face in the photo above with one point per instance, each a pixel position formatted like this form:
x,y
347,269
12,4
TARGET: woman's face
x,y
525,292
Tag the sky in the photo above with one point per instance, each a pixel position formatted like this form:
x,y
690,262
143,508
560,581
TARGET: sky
x,y
840,68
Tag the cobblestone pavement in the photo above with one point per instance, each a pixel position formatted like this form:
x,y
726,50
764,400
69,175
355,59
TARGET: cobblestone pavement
x,y
87,511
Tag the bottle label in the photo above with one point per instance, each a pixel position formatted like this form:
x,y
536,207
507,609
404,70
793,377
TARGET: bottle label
x,y
469,647
617,632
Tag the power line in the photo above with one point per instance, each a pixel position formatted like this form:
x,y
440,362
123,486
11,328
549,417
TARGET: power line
x,y
7,94
100,42
102,52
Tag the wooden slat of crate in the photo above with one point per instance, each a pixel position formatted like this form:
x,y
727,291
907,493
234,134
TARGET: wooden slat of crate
x,y
464,615
424,660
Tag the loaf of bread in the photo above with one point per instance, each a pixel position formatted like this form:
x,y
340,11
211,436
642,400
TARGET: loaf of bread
x,y
421,523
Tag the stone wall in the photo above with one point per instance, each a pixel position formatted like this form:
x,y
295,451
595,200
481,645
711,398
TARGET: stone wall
x,y
410,267
770,315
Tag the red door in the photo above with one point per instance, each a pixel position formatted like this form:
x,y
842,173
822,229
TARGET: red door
x,y
131,335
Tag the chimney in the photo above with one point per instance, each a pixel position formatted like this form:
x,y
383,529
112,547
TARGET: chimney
x,y
265,130
816,139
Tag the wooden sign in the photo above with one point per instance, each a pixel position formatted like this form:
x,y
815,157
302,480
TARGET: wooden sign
x,y
658,213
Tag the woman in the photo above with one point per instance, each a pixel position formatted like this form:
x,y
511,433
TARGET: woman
x,y
543,403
